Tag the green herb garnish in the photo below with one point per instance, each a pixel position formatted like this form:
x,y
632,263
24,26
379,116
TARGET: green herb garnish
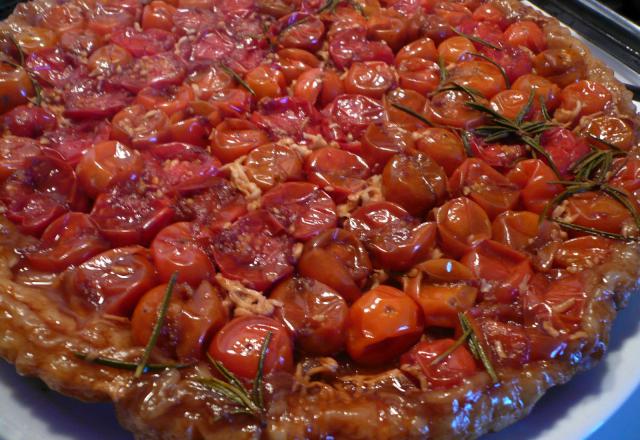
x,y
456,87
238,78
129,366
476,39
412,112
476,347
461,340
443,69
502,71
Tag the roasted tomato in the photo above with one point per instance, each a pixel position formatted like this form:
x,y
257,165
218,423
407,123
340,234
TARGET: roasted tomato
x,y
562,66
338,171
15,87
270,164
610,130
449,372
443,146
383,323
105,164
462,224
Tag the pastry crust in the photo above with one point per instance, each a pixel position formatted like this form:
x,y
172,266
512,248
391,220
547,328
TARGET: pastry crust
x,y
39,337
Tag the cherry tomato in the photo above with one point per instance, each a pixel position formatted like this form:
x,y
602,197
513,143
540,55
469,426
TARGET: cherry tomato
x,y
158,15
301,208
239,344
160,70
453,48
544,89
526,33
270,164
564,148
300,31
414,182
210,80
233,138
255,250
421,48
612,130
516,229
105,164
583,252
462,224
492,13
63,18
381,141
396,240
108,59
295,62
348,116
562,66
14,151
139,128
514,61
15,87
193,131
314,313
266,81
184,167
218,205
112,282
459,365
71,142
389,27
287,117
597,210
532,176
627,174
351,45
371,78
582,98
104,18
192,318
409,99
339,260
419,74
507,344
562,302
33,38
70,240
176,249
510,103
482,76
450,108
80,42
127,217
140,43
383,323
487,187
338,171
443,146
89,99
170,100
29,121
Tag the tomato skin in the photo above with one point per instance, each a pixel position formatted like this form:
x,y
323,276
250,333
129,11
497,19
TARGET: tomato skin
x,y
194,131
192,318
314,313
526,33
69,240
443,146
139,128
351,45
112,282
108,59
482,76
564,148
506,343
597,210
419,74
421,48
491,13
255,250
532,177
582,98
383,323
449,108
158,15
238,345
462,224
389,27
34,38
140,43
14,151
105,164
295,62
338,171
583,252
171,100
407,98
15,87
396,240
300,31
371,78
510,103
233,138
64,18
29,121
348,116
301,208
459,365
266,81
542,87
414,182
271,164
381,141
338,259
176,249
516,229
612,130
453,48
562,66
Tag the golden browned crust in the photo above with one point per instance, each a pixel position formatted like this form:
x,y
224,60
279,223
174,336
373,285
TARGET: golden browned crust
x,y
39,338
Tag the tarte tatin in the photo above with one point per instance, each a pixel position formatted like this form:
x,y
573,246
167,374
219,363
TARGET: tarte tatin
x,y
279,219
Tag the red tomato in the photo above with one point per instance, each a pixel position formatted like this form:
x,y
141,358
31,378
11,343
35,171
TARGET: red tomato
x,y
209,80
127,217
583,252
544,89
29,121
371,78
507,344
338,171
338,259
14,151
158,15
53,67
564,148
314,313
443,146
351,45
64,18
453,48
597,210
170,100
34,38
301,208
383,323
216,206
108,59
382,141
192,318
612,130
286,117
490,189
233,138
194,131
514,60
414,182
582,98
409,99
389,27
71,142
271,164
348,116
185,167
562,66
532,176
89,100
462,224
516,229
104,18
140,43
419,74
161,70
300,31
510,103
70,240
450,109
266,81
526,33
396,240
105,164
139,128
255,250
239,344
421,48
176,249
295,62
561,302
482,76
627,173
459,365
112,282
15,87
492,13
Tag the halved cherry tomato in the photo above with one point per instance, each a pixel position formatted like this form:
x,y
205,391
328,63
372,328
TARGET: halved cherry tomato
x,y
218,205
160,70
108,59
414,182
15,87
381,141
184,167
70,240
582,98
34,38
348,116
562,66
64,18
443,146
371,78
266,81
453,48
176,250
112,282
192,318
481,76
337,171
583,252
564,147
89,99
140,43
389,27
53,67
507,344
492,13
106,17
194,131
239,344
71,142
597,210
526,33
532,176
295,62
462,224
158,15
302,208
233,138
300,31
270,164
561,302
351,45
105,164
140,128
409,99
627,173
14,151
516,229
314,313
450,108
543,88
383,323
510,103
209,80
487,187
287,117
421,48
338,259
396,240
29,121
419,74
170,100
612,130
459,365
127,217
255,250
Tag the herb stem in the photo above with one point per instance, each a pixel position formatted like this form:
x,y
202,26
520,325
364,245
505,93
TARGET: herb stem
x,y
461,340
476,347
413,113
238,78
129,366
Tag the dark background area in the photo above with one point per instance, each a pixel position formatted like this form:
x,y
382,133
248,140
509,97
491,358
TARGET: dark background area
x,y
628,8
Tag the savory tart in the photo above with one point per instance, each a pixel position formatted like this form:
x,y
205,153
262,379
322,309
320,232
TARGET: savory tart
x,y
298,219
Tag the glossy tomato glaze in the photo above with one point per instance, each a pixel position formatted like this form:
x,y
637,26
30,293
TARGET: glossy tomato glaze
x,y
342,385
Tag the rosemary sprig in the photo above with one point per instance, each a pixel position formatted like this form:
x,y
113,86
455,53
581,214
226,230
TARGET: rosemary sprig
x,y
358,7
238,78
476,347
461,340
476,39
329,6
593,231
454,86
544,109
466,142
294,24
412,112
248,402
591,139
157,328
443,69
503,72
129,366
